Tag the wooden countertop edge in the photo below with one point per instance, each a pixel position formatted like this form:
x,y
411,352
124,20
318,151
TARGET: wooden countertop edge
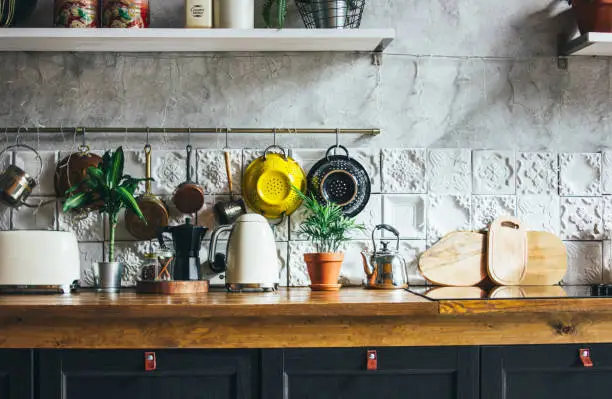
x,y
525,306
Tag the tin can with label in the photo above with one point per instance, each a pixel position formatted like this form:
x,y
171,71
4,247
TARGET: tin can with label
x,y
125,14
76,13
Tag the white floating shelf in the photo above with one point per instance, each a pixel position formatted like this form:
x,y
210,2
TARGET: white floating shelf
x,y
593,43
195,40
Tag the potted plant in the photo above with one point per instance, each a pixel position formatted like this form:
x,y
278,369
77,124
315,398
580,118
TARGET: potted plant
x,y
593,15
278,13
107,190
327,228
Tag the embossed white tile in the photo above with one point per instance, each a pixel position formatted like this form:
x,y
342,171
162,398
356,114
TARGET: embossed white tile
x,y
493,172
90,253
539,212
369,158
298,272
87,227
42,217
581,218
584,262
280,229
447,213
295,222
29,162
411,250
407,213
606,172
212,174
485,208
403,170
580,174
169,170
352,273
308,157
449,171
537,173
249,155
5,217
135,166
131,254
607,216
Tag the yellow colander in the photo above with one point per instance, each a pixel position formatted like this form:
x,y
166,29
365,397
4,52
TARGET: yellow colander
x,y
266,185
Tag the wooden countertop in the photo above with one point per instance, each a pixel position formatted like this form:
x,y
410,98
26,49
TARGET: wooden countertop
x,y
294,318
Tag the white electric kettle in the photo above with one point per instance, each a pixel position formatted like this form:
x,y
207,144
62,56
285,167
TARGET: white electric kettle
x,y
251,261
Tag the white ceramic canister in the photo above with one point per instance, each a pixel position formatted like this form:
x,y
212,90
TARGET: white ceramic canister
x,y
199,14
234,14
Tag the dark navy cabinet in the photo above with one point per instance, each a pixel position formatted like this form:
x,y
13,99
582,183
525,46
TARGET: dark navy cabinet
x,y
545,372
428,373
176,374
16,380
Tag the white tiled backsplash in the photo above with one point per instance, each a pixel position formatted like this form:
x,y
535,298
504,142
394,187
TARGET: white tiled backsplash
x,y
425,194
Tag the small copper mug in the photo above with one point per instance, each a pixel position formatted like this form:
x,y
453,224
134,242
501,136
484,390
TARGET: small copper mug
x,y
16,185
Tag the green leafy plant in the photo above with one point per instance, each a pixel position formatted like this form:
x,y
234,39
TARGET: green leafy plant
x,y
280,14
325,224
107,190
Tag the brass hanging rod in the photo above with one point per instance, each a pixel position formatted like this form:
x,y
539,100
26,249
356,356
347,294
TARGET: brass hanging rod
x,y
174,130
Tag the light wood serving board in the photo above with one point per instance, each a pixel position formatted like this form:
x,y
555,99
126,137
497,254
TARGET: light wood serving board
x,y
458,259
507,251
547,260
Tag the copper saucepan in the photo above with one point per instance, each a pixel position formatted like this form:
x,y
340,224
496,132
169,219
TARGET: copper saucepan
x,y
154,210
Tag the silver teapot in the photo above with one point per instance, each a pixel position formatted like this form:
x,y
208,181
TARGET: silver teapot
x,y
385,268
16,185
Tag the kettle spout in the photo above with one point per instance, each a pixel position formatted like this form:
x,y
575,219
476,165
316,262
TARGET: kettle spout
x,y
367,268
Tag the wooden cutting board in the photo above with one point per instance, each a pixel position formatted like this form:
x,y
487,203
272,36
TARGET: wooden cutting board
x,y
507,251
547,260
458,259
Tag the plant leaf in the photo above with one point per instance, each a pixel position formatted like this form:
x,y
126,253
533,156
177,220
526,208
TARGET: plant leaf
x,y
267,12
116,168
80,200
129,201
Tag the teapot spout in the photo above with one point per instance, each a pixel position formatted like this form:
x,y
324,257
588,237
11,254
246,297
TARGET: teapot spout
x,y
367,268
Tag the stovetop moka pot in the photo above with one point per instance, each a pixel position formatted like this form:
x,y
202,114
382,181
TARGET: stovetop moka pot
x,y
187,239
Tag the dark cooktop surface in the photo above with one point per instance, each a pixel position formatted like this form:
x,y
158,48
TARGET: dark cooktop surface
x,y
515,292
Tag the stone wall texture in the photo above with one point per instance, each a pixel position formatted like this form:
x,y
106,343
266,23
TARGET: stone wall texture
x,y
462,75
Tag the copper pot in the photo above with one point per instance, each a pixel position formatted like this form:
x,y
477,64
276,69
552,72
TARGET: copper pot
x,y
72,170
16,185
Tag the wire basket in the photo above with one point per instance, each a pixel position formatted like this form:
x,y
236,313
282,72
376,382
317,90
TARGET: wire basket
x,y
331,14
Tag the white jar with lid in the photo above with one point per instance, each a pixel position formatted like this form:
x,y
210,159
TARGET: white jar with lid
x,y
234,14
199,13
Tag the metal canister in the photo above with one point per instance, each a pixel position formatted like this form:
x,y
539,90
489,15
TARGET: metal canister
x,y
125,14
76,13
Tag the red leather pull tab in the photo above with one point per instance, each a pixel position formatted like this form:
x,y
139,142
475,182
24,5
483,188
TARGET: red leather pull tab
x,y
150,361
372,360
585,357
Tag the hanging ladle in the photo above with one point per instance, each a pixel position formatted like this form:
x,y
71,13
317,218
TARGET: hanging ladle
x,y
227,212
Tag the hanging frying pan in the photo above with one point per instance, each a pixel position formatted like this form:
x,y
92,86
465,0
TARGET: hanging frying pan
x,y
188,196
153,209
342,180
72,170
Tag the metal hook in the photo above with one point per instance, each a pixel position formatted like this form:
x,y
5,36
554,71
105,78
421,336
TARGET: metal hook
x,y
337,137
189,136
275,130
84,142
147,140
226,138
18,137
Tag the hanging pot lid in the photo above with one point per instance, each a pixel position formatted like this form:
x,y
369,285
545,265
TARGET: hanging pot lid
x,y
342,180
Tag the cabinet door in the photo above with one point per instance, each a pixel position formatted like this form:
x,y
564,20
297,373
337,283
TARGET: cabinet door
x,y
406,373
545,372
179,374
15,374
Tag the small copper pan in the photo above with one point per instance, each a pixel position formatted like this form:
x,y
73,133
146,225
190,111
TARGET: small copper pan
x,y
189,196
153,209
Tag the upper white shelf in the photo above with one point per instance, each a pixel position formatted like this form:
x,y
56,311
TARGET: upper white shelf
x,y
194,40
592,43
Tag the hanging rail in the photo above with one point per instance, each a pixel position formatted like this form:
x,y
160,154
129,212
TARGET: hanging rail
x,y
173,130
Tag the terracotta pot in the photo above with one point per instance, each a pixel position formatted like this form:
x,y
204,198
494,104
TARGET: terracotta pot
x,y
324,270
593,15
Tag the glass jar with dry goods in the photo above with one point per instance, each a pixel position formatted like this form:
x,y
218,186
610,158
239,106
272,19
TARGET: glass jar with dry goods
x,y
157,265
76,13
125,14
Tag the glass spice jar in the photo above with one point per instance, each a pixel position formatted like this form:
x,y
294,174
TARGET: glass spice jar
x,y
157,265
76,13
125,14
